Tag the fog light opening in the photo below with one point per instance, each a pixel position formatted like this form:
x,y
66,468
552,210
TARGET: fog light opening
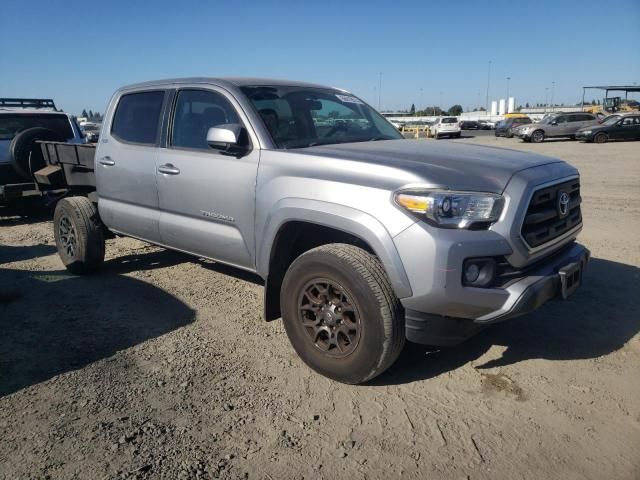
x,y
479,272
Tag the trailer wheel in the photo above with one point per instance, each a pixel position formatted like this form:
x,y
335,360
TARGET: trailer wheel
x,y
25,155
79,235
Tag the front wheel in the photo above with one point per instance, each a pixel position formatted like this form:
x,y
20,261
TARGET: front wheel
x,y
601,138
341,314
537,136
79,235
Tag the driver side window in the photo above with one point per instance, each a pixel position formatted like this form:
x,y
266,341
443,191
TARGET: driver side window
x,y
561,120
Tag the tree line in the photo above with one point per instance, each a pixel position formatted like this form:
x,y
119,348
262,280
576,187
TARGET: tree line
x,y
92,116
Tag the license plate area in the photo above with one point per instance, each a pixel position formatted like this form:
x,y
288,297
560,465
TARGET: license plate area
x,y
570,278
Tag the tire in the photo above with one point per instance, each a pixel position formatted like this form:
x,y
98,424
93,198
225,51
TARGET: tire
x,y
537,136
79,235
375,314
509,134
23,154
601,138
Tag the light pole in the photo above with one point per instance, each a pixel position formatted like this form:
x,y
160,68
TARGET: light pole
x,y
508,79
441,102
546,98
420,106
380,92
553,84
488,84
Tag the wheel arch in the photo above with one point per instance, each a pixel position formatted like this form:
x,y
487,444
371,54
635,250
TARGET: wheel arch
x,y
299,225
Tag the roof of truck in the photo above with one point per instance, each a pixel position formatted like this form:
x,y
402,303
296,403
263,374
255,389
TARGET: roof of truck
x,y
229,81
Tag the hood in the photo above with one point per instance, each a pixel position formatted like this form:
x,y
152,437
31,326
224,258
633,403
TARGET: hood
x,y
449,165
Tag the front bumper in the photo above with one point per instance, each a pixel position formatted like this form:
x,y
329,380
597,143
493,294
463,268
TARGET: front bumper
x,y
442,311
584,136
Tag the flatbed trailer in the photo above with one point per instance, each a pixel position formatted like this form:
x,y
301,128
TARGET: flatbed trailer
x,y
70,168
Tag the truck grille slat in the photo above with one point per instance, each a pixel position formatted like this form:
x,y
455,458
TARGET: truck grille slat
x,y
544,221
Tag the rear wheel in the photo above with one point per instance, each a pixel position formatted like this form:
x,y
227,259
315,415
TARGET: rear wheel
x,y
341,314
601,138
537,136
79,235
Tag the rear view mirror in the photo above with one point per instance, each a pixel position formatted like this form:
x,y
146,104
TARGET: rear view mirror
x,y
314,105
230,138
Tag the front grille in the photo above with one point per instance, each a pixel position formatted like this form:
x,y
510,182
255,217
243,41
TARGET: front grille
x,y
544,221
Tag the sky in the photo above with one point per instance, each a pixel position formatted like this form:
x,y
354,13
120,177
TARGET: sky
x,y
429,53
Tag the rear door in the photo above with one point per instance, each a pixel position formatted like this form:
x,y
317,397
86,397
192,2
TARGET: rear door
x,y
126,165
207,198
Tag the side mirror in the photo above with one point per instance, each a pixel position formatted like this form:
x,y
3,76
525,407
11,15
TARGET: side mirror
x,y
229,138
555,122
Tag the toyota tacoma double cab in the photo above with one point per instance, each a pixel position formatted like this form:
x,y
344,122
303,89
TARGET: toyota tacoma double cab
x,y
364,239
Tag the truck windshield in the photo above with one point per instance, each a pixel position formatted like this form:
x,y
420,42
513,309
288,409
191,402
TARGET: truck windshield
x,y
298,117
12,124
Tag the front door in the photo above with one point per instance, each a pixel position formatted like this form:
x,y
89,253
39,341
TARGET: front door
x,y
125,165
207,198
561,127
629,128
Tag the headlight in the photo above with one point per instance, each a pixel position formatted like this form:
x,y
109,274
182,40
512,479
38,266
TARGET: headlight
x,y
450,209
585,132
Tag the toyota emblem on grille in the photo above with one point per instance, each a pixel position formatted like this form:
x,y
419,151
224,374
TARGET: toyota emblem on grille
x,y
563,204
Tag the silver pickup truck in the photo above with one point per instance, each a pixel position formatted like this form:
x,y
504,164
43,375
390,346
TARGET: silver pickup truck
x,y
363,239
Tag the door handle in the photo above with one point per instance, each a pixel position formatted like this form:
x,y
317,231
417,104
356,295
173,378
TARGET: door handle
x,y
107,162
168,169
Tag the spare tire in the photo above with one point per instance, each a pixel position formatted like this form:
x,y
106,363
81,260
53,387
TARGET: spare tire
x,y
25,154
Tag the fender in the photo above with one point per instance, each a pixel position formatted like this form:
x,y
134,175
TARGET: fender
x,y
339,217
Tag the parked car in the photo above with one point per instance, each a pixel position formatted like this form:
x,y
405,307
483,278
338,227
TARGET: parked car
x,y
623,127
91,131
506,127
486,124
469,125
23,121
556,125
363,239
445,127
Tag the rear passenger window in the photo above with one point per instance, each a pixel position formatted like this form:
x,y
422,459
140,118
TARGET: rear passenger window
x,y
137,117
196,112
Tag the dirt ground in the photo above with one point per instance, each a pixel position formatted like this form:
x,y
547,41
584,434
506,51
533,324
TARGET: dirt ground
x,y
160,366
